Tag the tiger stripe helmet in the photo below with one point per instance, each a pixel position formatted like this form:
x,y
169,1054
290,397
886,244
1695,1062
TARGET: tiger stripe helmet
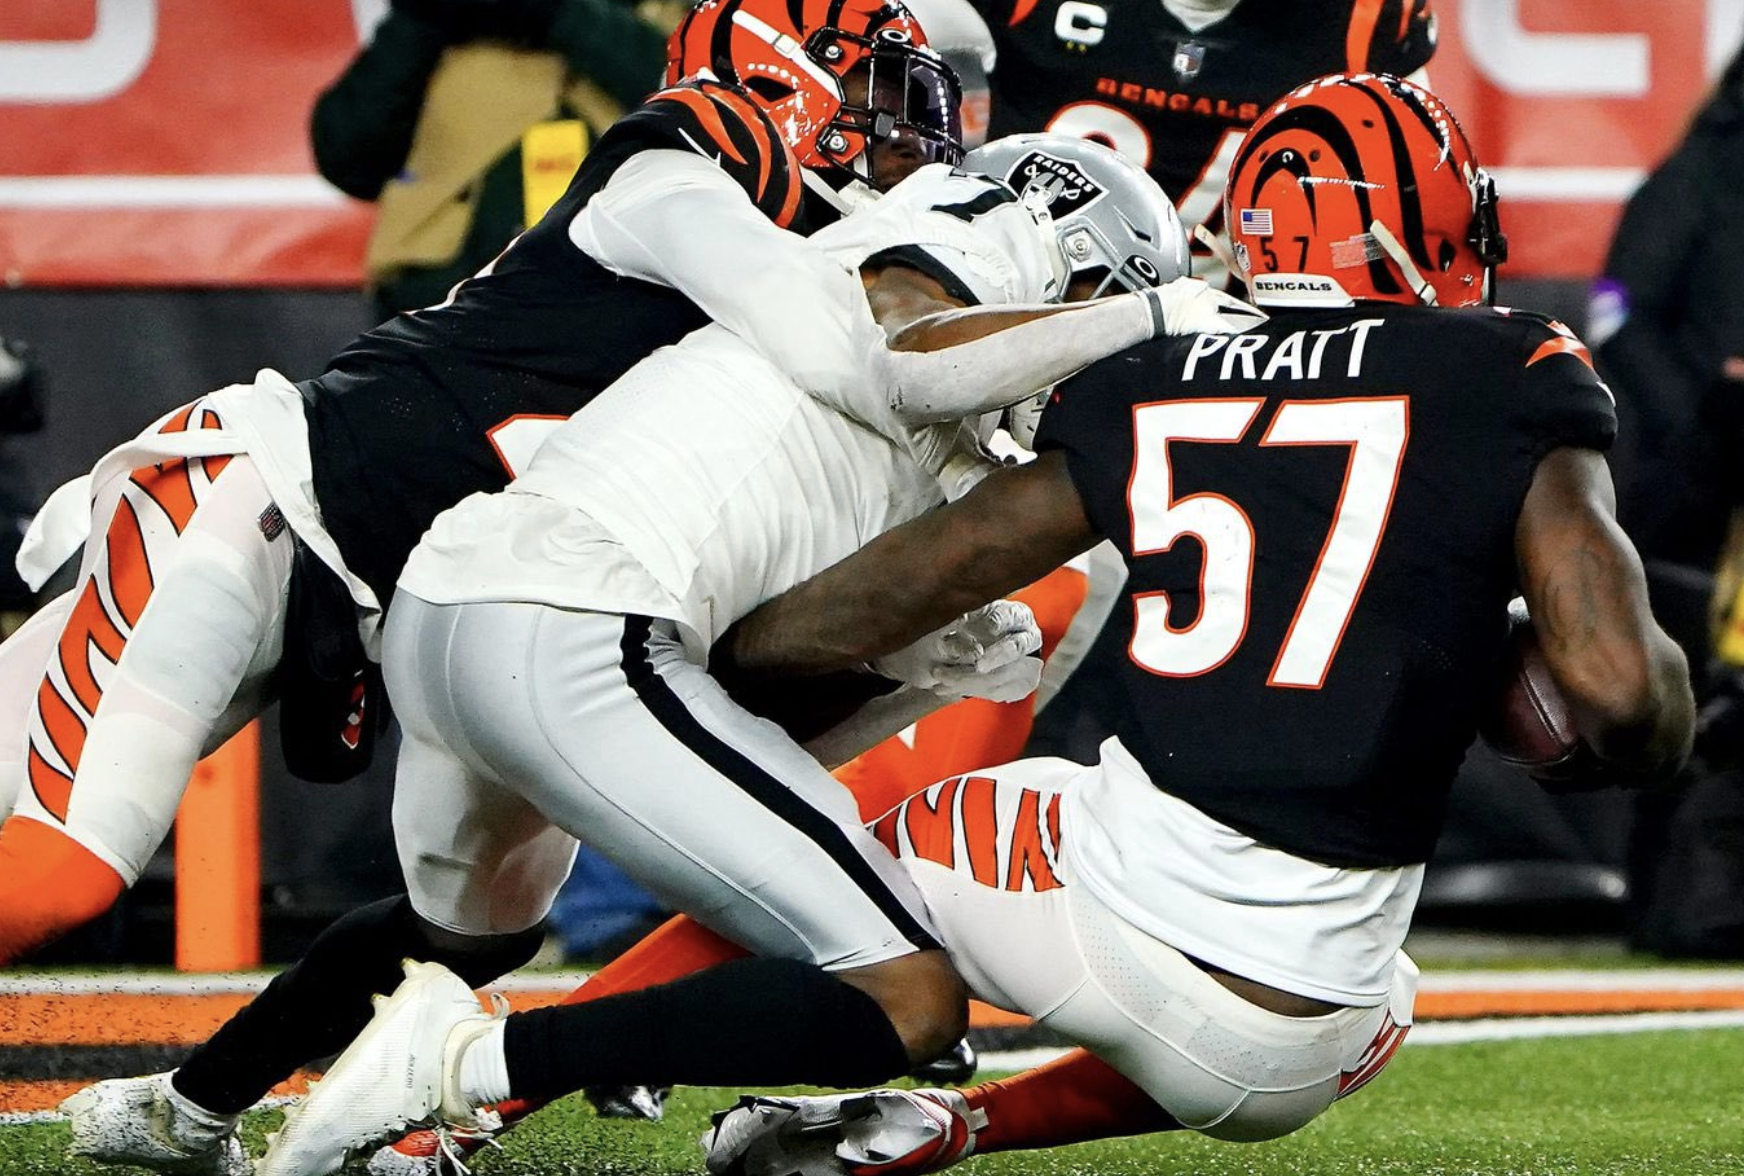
x,y
1362,186
835,76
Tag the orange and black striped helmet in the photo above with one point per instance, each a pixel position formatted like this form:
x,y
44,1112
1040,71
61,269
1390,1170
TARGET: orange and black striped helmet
x,y
1362,186
835,76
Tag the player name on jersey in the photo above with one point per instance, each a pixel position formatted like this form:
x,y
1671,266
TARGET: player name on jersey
x,y
1300,355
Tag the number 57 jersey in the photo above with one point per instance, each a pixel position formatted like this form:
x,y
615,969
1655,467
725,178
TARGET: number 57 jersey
x,y
1318,517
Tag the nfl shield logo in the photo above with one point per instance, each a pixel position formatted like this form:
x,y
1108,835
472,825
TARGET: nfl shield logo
x,y
1189,56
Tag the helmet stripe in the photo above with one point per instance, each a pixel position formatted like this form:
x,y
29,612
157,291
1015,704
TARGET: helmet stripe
x,y
1409,194
721,42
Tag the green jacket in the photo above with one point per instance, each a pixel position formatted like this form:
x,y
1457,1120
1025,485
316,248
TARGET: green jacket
x,y
433,130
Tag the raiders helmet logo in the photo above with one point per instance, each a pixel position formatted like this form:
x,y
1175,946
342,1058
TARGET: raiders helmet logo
x,y
1060,183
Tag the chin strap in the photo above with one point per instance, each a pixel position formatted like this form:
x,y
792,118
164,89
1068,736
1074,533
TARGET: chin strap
x,y
854,194
1221,250
1390,246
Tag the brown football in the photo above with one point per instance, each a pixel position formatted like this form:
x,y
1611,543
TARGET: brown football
x,y
1525,719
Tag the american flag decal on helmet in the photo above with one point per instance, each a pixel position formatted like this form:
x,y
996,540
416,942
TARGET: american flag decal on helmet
x,y
1256,222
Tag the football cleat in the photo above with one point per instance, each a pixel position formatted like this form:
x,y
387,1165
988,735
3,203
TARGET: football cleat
x,y
647,1103
953,1068
145,1122
402,1070
429,1152
878,1133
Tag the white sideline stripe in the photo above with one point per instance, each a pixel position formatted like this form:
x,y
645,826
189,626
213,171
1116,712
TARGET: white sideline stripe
x,y
1520,1028
1553,980
218,983
1556,980
1434,1033
76,192
1551,184
1466,1032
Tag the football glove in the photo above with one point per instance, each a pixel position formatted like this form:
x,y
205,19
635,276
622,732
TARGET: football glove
x,y
1187,306
986,653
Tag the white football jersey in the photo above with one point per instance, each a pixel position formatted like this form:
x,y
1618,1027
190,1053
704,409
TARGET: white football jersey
x,y
706,481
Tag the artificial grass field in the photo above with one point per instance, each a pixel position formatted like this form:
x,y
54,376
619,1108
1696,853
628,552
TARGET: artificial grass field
x,y
1637,1104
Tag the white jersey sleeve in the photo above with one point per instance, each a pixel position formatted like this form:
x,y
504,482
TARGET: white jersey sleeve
x,y
676,219
972,234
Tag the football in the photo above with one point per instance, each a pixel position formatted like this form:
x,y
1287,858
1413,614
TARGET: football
x,y
1524,719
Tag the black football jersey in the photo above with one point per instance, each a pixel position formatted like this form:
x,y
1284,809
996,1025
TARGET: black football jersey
x,y
402,424
1129,74
1318,517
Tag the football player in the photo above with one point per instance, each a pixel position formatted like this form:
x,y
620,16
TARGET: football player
x,y
202,601
300,1011
1175,85
548,662
1215,910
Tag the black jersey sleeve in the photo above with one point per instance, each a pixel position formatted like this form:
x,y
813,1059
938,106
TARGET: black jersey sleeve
x,y
1560,400
1399,35
720,124
1089,419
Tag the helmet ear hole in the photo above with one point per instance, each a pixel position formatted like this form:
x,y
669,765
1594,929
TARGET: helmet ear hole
x,y
1446,255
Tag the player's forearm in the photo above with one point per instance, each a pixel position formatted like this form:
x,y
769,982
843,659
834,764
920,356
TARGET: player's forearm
x,y
1017,526
880,600
1652,742
962,363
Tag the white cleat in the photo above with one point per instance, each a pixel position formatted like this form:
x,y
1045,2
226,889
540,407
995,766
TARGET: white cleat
x,y
401,1071
143,1121
878,1133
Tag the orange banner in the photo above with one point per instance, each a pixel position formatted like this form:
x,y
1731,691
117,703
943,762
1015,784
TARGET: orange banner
x,y
165,142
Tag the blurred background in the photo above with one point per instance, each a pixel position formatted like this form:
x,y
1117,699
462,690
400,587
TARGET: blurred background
x,y
165,229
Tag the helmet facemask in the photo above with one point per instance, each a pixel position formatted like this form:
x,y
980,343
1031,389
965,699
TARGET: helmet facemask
x,y
896,98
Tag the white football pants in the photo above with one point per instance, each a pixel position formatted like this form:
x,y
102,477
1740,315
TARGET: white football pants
x,y
994,864
162,651
528,728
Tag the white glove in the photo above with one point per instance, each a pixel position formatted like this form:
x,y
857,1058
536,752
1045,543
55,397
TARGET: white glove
x,y
1187,306
982,654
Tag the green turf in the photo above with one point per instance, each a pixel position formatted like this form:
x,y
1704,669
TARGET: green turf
x,y
1628,1105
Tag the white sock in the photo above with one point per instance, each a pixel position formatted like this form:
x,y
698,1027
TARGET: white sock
x,y
484,1071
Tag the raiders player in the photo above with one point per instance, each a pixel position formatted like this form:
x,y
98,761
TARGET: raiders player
x,y
548,663
1215,909
1175,85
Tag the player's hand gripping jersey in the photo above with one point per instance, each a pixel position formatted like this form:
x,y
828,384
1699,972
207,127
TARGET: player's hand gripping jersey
x,y
1132,74
749,484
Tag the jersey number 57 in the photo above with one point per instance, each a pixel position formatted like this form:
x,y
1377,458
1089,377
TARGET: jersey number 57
x,y
1374,429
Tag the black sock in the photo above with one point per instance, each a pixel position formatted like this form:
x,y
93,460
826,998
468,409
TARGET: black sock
x,y
318,1005
756,1022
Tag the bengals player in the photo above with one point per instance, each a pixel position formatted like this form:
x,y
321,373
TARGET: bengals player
x,y
1174,84
246,545
1324,522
